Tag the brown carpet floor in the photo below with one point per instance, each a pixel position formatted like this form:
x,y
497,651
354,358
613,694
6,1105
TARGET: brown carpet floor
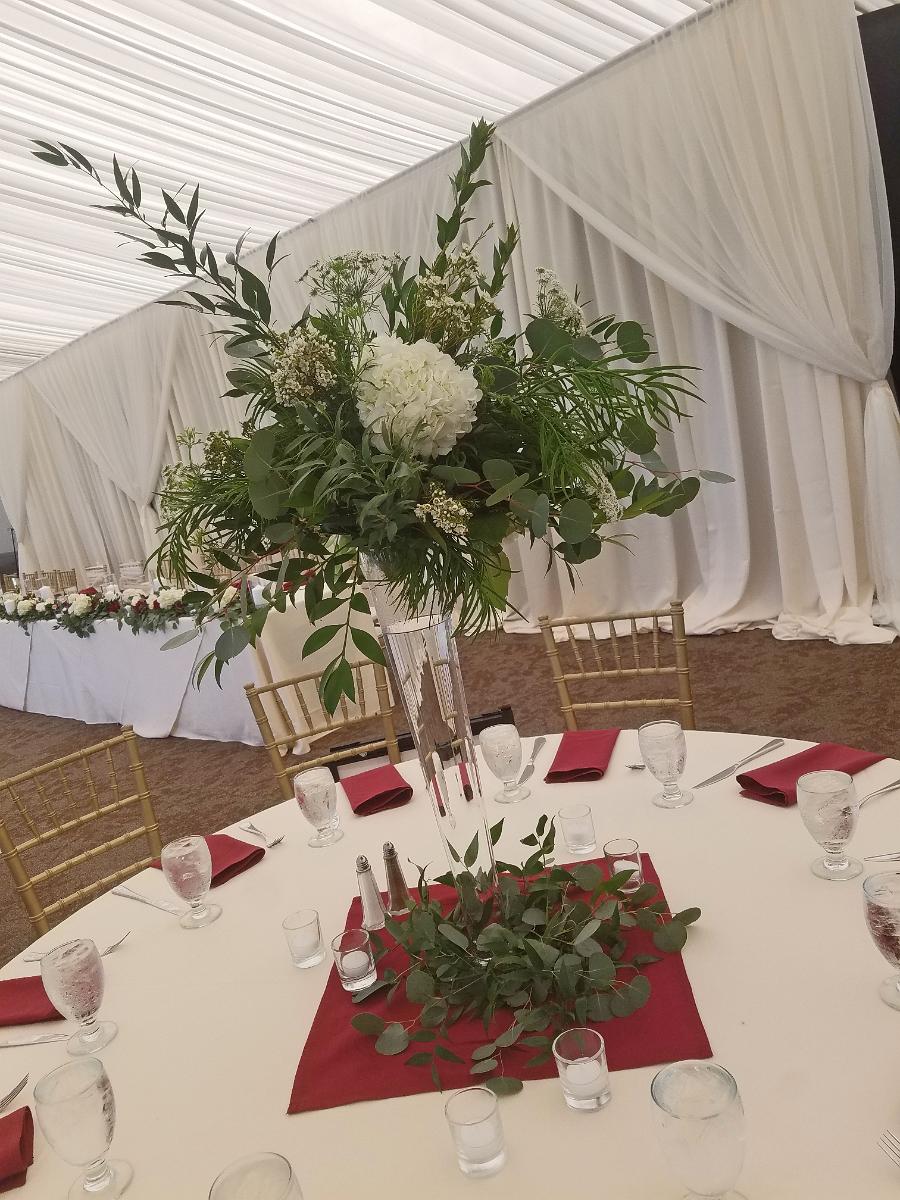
x,y
743,682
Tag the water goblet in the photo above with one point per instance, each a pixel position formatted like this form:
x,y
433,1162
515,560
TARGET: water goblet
x,y
304,937
187,866
354,959
664,751
477,1131
73,979
881,895
581,1062
502,750
76,1110
316,795
701,1127
829,807
624,854
258,1177
576,824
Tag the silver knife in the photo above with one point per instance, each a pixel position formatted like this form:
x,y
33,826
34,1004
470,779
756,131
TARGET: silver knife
x,y
773,745
538,746
36,1041
164,905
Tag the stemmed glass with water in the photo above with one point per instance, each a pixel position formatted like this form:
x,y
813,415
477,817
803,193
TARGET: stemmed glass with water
x,y
76,1110
502,750
881,895
316,795
664,752
73,978
829,807
187,865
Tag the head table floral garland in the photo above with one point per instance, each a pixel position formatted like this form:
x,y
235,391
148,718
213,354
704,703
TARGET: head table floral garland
x,y
140,609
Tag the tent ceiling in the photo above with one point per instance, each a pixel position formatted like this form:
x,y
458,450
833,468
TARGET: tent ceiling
x,y
280,109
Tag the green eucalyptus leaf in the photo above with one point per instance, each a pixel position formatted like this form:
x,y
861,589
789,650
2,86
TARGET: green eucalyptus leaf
x,y
454,935
670,937
575,520
392,1040
231,642
482,1068
368,1023
716,477
503,1085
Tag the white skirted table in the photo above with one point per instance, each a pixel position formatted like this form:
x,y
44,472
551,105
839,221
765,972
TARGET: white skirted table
x,y
212,1023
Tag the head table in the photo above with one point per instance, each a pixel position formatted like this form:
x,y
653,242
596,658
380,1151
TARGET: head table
x,y
212,1022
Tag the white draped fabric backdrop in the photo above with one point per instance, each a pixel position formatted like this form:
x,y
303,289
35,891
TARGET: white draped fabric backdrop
x,y
723,185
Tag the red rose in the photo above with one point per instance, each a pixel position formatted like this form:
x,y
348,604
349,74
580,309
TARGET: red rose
x,y
287,587
140,606
89,591
113,606
310,574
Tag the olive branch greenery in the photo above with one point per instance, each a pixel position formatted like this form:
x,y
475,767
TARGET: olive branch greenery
x,y
550,946
563,443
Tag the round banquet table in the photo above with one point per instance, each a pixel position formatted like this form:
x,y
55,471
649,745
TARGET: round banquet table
x,y
785,975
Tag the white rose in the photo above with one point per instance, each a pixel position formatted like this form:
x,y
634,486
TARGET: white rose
x,y
416,395
24,607
132,594
227,596
169,597
112,593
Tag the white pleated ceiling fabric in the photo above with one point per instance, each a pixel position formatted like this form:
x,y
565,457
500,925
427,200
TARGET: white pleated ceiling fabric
x,y
280,110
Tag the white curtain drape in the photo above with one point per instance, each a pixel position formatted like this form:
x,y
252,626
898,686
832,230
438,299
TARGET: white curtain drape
x,y
724,187
15,458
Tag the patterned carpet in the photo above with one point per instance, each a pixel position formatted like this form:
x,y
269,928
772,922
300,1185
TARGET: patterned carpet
x,y
745,682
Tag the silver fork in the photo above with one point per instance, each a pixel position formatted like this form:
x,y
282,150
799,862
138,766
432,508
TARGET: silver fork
x,y
38,955
890,1145
10,1096
882,791
251,828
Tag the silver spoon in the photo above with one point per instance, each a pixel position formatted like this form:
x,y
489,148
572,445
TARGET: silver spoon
x,y
38,955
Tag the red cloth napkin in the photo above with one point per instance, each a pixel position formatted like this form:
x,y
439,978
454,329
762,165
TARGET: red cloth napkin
x,y
376,790
24,1002
16,1148
341,1066
776,783
582,754
229,856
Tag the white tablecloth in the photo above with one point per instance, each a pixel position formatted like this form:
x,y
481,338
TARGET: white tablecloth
x,y
785,975
116,676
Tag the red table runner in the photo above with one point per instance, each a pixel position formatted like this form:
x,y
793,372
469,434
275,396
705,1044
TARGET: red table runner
x,y
341,1066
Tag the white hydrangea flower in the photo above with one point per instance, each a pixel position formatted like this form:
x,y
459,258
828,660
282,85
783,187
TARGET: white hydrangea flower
x,y
24,607
41,606
80,606
169,597
416,395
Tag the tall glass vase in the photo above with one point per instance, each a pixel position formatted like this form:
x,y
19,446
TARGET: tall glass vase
x,y
422,654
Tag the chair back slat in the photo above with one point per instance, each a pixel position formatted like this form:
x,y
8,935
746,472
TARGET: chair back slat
x,y
64,799
636,665
287,703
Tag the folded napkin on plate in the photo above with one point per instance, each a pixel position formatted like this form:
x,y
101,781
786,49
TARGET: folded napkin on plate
x,y
229,856
776,783
376,790
24,1002
582,754
16,1148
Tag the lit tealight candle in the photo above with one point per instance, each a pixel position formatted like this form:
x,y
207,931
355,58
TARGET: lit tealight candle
x,y
585,1079
355,964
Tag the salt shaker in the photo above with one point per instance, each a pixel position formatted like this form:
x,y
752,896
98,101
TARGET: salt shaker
x,y
399,899
373,911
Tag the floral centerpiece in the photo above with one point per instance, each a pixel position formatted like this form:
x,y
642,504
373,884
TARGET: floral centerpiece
x,y
551,948
397,425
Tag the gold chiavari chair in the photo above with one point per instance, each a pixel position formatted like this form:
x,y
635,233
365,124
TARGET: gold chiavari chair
x,y
132,574
293,704
60,580
73,799
32,580
97,576
633,655
7,584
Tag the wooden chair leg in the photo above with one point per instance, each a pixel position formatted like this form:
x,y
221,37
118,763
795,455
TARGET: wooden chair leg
x,y
565,700
685,691
265,729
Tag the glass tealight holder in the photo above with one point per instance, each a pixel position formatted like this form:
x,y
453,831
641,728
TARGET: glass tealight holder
x,y
581,1062
477,1131
576,824
354,959
624,854
304,937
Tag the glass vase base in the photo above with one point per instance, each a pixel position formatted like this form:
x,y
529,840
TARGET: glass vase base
x,y
121,1174
889,991
512,795
326,837
80,1045
479,1170
851,868
199,919
594,1104
661,800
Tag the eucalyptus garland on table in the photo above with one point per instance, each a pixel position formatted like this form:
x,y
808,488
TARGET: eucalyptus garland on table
x,y
25,610
553,959
397,418
142,612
